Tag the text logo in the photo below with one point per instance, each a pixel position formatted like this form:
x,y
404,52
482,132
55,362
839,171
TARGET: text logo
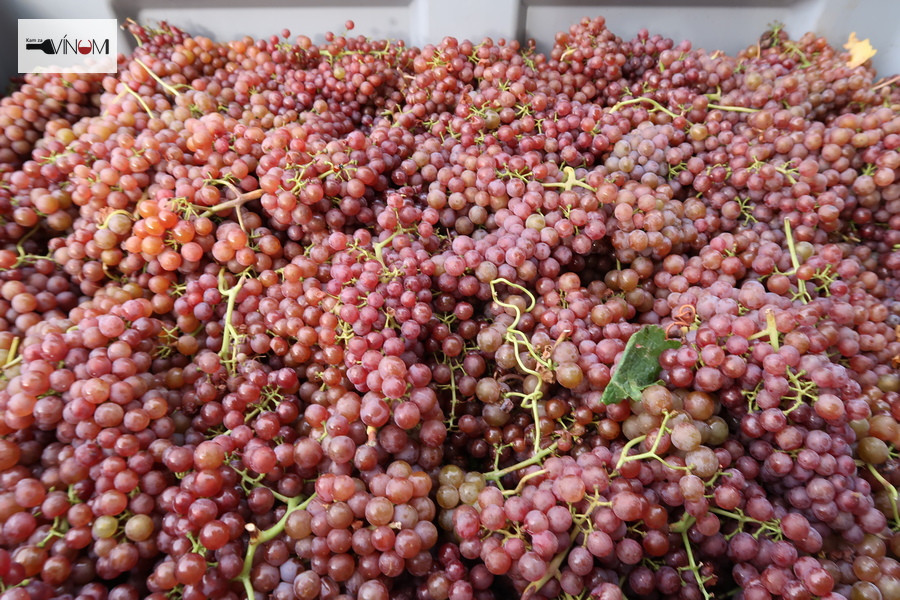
x,y
67,45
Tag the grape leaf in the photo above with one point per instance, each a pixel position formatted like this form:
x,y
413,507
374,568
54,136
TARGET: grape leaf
x,y
860,50
639,365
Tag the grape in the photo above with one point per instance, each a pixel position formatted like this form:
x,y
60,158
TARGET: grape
x,y
531,567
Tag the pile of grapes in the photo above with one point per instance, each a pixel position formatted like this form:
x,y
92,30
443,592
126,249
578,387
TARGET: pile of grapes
x,y
363,321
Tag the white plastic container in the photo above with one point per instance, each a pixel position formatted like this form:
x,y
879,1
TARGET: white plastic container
x,y
712,24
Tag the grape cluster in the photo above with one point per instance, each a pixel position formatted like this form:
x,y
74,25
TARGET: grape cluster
x,y
353,320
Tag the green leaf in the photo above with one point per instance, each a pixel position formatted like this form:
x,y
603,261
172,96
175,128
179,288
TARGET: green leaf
x,y
639,365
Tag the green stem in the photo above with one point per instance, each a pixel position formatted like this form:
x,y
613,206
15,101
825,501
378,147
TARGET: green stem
x,y
453,399
138,98
55,531
11,354
570,181
234,203
801,389
624,457
523,481
269,399
682,524
533,398
802,292
229,333
552,568
742,519
497,475
105,224
22,256
241,199
771,330
129,21
893,494
516,337
692,562
789,236
248,483
742,109
380,246
508,305
787,172
266,536
165,85
656,104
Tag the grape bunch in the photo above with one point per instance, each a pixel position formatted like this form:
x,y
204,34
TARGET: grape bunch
x,y
342,318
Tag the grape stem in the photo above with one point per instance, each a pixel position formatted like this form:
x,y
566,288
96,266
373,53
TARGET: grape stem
x,y
570,180
770,527
742,109
248,482
552,567
239,200
516,337
496,475
771,330
270,397
525,479
196,545
258,537
454,401
379,247
579,522
893,494
624,457
105,224
682,527
701,581
56,530
789,237
229,333
23,257
801,389
12,356
150,72
137,97
656,104
127,26
886,82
